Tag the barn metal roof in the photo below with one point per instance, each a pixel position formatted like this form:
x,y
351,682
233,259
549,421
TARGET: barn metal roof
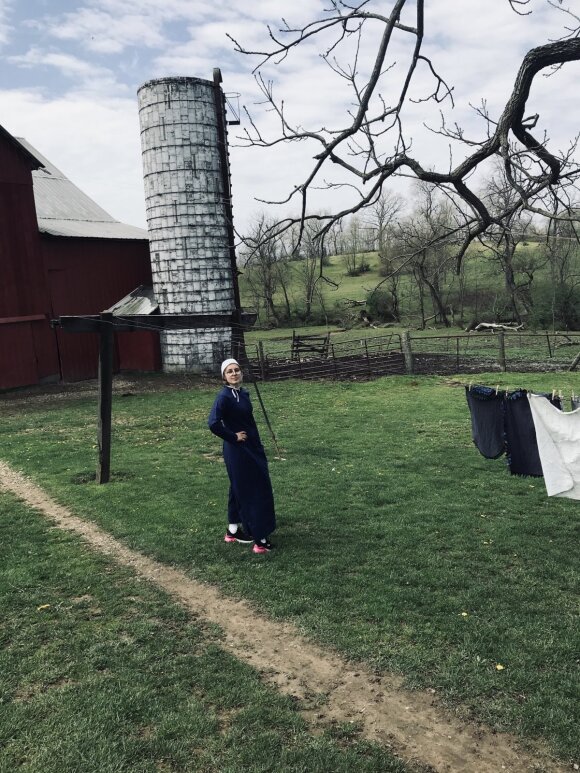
x,y
141,300
62,209
31,158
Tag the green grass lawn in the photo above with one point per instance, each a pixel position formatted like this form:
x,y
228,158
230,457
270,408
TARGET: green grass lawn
x,y
398,544
101,672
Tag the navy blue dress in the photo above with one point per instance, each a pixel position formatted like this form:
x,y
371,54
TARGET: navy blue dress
x,y
251,500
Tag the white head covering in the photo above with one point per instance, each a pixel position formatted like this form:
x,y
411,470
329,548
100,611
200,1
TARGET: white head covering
x,y
225,364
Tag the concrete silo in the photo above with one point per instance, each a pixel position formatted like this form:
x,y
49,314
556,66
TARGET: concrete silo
x,y
188,214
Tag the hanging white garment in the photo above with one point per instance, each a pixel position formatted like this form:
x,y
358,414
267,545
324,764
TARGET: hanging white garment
x,y
558,436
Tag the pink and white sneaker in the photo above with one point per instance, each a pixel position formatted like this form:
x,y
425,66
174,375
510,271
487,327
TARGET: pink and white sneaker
x,y
239,536
263,546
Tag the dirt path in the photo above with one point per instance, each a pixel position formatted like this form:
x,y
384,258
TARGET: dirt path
x,y
410,724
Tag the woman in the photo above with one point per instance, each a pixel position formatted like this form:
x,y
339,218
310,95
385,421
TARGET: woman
x,y
251,514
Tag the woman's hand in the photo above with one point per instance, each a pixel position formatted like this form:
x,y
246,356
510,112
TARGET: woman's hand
x,y
241,436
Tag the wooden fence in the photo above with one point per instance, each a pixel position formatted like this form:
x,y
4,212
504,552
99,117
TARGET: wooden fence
x,y
500,351
361,358
395,354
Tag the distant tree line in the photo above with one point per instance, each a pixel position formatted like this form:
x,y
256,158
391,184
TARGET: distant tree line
x,y
506,250
525,270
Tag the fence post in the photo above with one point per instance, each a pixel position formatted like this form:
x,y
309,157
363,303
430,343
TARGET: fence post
x,y
575,362
261,360
501,342
549,347
334,361
368,359
407,351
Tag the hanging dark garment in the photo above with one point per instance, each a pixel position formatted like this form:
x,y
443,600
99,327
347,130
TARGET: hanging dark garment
x,y
487,420
575,402
520,435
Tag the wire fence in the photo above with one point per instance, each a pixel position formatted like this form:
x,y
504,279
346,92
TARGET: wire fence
x,y
364,357
356,358
502,351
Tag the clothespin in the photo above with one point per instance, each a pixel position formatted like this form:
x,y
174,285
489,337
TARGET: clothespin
x,y
553,393
497,389
470,385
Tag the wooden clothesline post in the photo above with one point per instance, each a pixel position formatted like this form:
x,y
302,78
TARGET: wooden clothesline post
x,y
106,339
105,325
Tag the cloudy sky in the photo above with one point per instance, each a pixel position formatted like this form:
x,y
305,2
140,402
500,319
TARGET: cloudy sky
x,y
70,70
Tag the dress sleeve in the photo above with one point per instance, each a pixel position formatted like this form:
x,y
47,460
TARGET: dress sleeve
x,y
216,423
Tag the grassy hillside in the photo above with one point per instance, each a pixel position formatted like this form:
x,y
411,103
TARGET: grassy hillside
x,y
484,295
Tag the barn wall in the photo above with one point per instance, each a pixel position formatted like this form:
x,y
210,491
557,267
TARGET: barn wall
x,y
43,277
87,276
28,352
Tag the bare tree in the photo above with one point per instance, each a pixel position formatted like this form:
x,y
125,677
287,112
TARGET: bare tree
x,y
392,267
381,215
354,247
422,236
266,267
503,240
373,146
308,247
335,238
562,248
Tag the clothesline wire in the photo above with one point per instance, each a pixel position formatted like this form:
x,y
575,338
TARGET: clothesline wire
x,y
122,321
507,390
143,326
320,371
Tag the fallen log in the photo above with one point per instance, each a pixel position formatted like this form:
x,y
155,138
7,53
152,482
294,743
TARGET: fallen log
x,y
508,326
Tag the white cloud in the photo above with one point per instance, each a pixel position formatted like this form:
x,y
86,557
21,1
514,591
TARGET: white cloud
x,y
88,123
200,10
169,10
96,144
102,32
6,28
67,64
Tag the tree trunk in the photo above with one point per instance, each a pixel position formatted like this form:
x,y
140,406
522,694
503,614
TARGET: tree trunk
x,y
438,306
286,299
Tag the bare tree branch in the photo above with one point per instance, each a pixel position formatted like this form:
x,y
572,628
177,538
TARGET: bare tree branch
x,y
534,173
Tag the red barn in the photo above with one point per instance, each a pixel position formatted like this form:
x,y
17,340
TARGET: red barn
x,y
61,254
